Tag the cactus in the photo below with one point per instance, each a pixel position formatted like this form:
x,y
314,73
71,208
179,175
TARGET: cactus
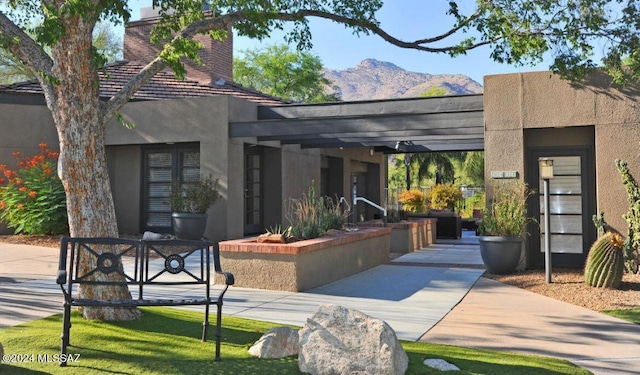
x,y
605,264
632,243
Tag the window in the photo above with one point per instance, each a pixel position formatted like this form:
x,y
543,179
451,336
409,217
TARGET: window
x,y
162,166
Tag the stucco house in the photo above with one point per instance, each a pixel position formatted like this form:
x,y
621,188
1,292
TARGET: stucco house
x,y
265,151
583,128
182,130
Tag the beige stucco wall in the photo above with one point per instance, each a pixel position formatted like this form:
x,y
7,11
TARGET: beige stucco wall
x,y
22,128
202,120
517,103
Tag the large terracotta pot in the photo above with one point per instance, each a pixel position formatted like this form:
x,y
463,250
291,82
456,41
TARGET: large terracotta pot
x,y
189,226
500,255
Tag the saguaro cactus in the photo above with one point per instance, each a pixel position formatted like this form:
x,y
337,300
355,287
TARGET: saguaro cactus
x,y
605,264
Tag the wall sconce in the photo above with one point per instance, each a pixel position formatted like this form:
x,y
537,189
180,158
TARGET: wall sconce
x,y
371,151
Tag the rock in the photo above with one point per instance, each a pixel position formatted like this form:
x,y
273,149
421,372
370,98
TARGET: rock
x,y
441,364
151,236
337,340
277,342
271,238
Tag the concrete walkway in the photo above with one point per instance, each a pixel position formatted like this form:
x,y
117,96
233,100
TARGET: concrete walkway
x,y
435,295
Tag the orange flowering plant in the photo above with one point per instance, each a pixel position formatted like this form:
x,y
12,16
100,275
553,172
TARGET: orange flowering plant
x,y
412,201
32,198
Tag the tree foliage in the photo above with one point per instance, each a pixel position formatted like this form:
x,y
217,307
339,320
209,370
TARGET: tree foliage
x,y
473,168
278,70
105,41
433,91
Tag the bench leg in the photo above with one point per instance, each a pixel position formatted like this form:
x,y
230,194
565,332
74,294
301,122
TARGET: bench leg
x,y
66,326
218,329
205,324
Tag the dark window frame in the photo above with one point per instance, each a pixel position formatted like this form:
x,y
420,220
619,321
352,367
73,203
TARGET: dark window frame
x,y
176,150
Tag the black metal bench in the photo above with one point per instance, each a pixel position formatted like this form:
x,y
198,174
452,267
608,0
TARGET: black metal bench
x,y
137,264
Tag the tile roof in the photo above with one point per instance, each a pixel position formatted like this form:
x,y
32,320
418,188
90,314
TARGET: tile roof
x,y
164,85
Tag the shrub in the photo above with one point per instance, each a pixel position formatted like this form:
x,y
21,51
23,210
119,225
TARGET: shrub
x,y
311,216
32,198
476,202
445,197
194,198
507,215
412,201
396,216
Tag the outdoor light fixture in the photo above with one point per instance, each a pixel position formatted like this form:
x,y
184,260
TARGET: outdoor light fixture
x,y
371,151
546,168
546,173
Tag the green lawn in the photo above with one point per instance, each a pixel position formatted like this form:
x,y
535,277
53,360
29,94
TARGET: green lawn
x,y
631,315
166,341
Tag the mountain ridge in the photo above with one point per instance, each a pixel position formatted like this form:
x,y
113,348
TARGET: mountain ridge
x,y
375,79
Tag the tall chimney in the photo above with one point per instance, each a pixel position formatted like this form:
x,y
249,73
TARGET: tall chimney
x,y
217,56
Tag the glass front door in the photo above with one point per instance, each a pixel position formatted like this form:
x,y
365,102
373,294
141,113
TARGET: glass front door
x,y
253,196
571,207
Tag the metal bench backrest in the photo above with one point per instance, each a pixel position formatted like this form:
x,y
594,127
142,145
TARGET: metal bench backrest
x,y
167,262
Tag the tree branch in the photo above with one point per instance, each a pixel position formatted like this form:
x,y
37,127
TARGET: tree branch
x,y
117,101
22,46
417,44
225,21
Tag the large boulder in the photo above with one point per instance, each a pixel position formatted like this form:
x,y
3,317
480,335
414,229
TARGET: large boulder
x,y
277,342
337,340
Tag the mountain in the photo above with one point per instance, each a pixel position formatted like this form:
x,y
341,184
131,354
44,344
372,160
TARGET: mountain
x,y
373,79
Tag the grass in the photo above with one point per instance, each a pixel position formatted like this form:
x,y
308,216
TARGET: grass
x,y
166,341
630,315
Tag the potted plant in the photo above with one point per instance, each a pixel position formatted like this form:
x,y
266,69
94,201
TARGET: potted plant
x,y
502,225
189,203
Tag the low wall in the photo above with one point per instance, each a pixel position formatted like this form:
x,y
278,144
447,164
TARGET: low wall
x,y
304,265
408,236
449,223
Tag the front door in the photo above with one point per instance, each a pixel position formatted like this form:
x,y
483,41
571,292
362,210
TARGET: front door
x,y
253,193
571,206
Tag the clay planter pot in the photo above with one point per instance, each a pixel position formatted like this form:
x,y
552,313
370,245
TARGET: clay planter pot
x,y
500,255
189,226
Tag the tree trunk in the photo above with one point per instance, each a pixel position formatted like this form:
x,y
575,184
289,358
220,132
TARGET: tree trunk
x,y
407,165
82,166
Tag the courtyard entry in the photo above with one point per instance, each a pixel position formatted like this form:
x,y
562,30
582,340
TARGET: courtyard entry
x,y
571,206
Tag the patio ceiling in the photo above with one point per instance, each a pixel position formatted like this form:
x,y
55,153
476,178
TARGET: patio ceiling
x,y
452,123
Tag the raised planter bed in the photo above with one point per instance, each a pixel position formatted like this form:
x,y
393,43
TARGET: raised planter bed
x,y
449,224
304,265
408,236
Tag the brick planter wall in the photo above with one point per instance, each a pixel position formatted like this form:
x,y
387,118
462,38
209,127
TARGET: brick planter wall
x,y
408,236
304,265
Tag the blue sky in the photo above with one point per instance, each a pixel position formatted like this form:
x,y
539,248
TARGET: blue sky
x,y
406,19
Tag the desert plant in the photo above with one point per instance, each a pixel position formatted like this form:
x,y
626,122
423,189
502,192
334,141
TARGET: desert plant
x,y
396,216
605,263
194,198
332,215
311,216
280,231
32,198
445,197
506,215
631,249
412,201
